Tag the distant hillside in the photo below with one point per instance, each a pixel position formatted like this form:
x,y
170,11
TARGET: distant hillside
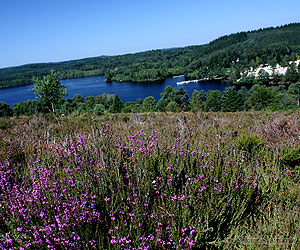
x,y
224,57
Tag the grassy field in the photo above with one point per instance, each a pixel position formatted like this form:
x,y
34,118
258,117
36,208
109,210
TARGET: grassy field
x,y
151,181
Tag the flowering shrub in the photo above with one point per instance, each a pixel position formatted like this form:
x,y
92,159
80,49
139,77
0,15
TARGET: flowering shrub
x,y
138,187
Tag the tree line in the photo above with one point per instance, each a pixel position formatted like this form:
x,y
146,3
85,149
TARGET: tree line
x,y
50,92
225,57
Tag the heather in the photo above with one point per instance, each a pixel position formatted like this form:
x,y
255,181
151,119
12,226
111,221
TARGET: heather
x,y
150,181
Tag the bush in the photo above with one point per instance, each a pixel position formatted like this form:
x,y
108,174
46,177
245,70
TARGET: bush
x,y
291,159
99,109
250,143
5,110
3,125
173,107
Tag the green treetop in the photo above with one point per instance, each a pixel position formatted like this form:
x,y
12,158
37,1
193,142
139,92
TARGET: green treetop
x,y
49,90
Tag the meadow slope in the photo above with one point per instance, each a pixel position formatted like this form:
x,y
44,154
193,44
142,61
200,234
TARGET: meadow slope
x,y
150,181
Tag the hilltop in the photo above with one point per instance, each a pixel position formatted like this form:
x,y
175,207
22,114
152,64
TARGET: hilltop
x,y
225,57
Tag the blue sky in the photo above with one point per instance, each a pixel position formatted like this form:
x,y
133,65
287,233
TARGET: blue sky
x,y
56,30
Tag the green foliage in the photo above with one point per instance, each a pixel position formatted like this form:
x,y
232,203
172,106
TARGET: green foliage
x,y
78,98
213,101
234,52
3,126
81,109
66,107
173,107
232,100
294,92
250,143
248,80
277,78
117,104
263,77
129,107
161,105
49,90
292,74
198,100
99,109
179,96
291,158
27,108
90,102
5,110
261,97
139,101
166,97
105,100
149,104
108,76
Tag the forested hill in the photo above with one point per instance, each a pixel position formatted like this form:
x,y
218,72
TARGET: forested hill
x,y
224,57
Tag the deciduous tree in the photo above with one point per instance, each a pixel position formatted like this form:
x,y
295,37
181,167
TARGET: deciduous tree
x,y
49,90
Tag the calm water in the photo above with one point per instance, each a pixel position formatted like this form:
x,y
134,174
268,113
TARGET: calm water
x,y
96,85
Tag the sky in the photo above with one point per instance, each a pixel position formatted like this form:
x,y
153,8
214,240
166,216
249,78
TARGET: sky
x,y
34,31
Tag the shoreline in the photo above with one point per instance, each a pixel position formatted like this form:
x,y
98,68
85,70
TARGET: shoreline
x,y
203,80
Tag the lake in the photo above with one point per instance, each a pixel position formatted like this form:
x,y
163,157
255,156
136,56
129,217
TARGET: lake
x,y
127,91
